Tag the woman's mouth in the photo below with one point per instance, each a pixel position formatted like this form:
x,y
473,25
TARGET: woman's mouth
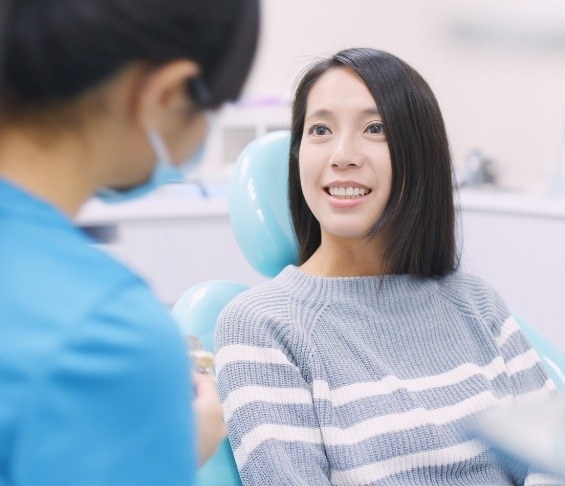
x,y
347,192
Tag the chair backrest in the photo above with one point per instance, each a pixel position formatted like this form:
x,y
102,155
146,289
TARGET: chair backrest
x,y
258,202
261,222
262,225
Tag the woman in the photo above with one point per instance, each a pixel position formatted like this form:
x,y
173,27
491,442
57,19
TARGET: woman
x,y
108,97
366,363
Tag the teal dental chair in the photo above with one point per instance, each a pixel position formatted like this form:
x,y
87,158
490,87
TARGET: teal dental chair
x,y
261,222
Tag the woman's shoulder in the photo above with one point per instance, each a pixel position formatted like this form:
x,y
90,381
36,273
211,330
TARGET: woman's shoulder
x,y
465,282
268,298
263,314
473,295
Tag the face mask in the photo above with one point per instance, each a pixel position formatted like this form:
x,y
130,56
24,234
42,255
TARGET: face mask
x,y
164,172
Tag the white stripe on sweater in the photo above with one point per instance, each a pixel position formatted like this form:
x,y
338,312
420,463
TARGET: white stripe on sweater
x,y
283,433
417,417
509,327
335,436
356,391
390,384
252,354
523,362
381,469
344,395
249,394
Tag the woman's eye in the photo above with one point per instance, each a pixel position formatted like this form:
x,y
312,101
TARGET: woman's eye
x,y
319,130
376,128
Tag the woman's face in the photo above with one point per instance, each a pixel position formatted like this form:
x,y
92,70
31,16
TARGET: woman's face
x,y
344,161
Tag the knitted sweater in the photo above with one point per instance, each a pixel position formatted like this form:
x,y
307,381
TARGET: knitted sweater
x,y
371,380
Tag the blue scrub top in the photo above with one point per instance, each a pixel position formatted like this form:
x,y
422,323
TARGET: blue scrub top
x,y
94,378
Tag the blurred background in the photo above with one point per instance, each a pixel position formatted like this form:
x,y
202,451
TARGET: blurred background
x,y
498,71
497,68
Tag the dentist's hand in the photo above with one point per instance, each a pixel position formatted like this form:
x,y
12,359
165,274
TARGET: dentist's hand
x,y
210,427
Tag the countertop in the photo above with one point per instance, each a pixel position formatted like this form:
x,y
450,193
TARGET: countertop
x,y
186,201
168,202
513,202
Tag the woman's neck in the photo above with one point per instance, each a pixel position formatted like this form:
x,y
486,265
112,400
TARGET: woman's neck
x,y
346,258
54,170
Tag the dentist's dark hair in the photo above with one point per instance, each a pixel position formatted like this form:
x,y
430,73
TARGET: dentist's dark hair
x,y
418,222
52,51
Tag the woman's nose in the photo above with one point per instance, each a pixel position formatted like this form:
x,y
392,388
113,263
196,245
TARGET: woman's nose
x,y
345,153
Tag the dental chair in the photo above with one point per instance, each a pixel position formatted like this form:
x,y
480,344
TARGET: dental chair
x,y
262,225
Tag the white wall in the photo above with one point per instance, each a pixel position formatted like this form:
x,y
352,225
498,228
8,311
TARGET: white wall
x,y
502,91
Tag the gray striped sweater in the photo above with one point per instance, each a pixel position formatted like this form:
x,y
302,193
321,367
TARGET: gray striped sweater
x,y
371,380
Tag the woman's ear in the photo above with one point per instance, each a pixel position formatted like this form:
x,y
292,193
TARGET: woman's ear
x,y
163,94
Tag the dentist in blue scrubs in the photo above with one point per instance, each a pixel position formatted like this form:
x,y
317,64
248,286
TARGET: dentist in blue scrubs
x,y
104,97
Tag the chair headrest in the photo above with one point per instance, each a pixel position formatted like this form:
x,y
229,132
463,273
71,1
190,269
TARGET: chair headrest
x,y
258,202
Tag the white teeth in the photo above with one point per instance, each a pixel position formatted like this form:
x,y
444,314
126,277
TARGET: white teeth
x,y
347,192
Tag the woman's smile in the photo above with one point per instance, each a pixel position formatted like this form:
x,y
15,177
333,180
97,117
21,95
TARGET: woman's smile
x,y
346,194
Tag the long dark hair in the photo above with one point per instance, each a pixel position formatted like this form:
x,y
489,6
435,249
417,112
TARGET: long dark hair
x,y
418,222
52,51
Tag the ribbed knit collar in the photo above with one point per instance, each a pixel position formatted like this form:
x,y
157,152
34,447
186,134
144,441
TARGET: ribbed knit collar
x,y
386,287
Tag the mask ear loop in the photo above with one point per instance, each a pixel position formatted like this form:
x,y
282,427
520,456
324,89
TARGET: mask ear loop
x,y
159,147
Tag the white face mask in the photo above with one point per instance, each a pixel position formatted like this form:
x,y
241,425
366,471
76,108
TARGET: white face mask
x,y
164,172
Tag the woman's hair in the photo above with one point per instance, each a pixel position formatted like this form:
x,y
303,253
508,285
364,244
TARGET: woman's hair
x,y
52,51
418,221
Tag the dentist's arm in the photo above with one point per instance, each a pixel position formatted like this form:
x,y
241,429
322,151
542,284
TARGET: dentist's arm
x,y
210,428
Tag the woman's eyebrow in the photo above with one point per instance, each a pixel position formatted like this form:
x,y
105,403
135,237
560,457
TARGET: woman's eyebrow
x,y
371,111
322,113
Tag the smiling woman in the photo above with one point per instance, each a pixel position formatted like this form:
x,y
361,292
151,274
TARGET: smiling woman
x,y
397,112
368,362
346,173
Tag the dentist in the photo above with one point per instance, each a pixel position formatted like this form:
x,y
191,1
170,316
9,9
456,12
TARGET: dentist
x,y
104,97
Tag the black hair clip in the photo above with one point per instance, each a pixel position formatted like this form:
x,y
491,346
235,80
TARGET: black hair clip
x,y
200,92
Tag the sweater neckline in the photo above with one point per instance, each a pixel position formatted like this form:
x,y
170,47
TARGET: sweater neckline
x,y
385,287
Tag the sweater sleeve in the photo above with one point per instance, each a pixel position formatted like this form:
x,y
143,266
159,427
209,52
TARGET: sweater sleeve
x,y
529,381
268,405
528,378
